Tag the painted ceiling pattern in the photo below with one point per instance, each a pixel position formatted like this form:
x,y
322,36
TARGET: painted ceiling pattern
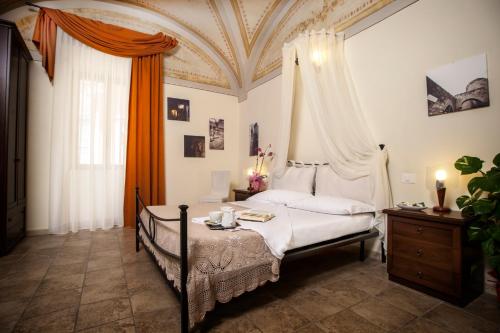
x,y
224,45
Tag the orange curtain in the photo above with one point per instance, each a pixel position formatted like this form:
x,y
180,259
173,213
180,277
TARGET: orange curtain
x,y
145,153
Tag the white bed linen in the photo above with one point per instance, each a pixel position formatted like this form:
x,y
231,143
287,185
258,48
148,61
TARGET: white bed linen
x,y
294,228
310,228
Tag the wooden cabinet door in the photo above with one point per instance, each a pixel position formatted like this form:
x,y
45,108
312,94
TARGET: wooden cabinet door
x,y
21,131
12,129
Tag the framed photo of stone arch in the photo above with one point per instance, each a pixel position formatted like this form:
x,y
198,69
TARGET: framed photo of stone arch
x,y
459,86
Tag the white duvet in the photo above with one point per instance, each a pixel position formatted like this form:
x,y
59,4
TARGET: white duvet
x,y
294,228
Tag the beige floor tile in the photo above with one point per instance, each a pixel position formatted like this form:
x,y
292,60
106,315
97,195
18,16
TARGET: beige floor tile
x,y
60,322
103,291
60,283
277,316
105,276
458,320
96,314
103,263
422,325
345,294
12,309
153,300
157,322
315,304
119,326
382,314
52,302
487,307
411,301
70,269
348,322
22,290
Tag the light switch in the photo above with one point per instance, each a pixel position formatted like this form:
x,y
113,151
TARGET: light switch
x,y
408,178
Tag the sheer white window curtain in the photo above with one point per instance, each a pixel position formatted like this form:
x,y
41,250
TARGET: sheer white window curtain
x,y
89,133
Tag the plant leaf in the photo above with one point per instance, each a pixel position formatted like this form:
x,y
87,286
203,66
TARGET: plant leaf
x,y
468,164
483,206
495,232
462,201
475,183
489,247
496,160
494,262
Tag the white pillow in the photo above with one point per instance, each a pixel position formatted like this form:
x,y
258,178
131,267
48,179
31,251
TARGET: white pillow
x,y
299,179
330,184
282,197
332,205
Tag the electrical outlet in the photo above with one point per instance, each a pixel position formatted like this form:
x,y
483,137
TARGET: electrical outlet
x,y
408,178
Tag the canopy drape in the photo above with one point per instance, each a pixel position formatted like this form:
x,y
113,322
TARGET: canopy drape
x,y
345,136
145,152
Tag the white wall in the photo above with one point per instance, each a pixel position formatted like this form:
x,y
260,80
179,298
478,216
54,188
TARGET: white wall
x,y
388,63
187,178
38,152
262,106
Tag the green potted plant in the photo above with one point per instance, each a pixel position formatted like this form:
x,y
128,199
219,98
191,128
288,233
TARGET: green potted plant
x,y
483,203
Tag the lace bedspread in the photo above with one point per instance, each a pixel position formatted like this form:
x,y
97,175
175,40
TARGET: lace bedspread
x,y
222,264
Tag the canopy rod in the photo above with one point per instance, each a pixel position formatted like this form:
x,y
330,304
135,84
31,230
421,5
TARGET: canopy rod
x,y
32,4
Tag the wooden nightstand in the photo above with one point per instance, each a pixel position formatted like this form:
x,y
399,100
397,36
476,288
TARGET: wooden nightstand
x,y
241,195
429,252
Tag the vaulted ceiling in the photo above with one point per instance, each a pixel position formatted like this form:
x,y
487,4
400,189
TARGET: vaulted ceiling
x,y
227,46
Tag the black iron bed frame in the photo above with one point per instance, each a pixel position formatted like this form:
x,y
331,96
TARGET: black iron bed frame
x,y
183,256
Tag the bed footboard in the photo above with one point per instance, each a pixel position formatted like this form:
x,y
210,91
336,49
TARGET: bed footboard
x,y
183,253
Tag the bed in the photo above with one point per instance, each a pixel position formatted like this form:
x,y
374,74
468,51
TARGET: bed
x,y
213,266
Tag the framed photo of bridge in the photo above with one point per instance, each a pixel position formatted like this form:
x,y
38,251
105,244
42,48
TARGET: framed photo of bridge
x,y
459,86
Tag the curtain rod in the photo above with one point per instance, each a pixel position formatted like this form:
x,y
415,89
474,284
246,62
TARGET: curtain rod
x,y
32,5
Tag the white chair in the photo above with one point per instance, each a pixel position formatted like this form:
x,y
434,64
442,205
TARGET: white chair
x,y
219,191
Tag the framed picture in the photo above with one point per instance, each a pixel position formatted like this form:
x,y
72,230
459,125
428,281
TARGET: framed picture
x,y
194,146
178,109
459,86
216,131
254,139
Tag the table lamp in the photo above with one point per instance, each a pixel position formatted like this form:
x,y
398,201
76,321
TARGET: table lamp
x,y
441,191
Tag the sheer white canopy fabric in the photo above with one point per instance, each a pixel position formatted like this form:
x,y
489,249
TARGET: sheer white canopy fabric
x,y
346,139
89,129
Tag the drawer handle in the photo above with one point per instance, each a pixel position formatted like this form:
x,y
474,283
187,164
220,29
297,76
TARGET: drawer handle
x,y
420,275
419,252
419,230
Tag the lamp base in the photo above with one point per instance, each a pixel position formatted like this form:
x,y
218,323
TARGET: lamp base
x,y
440,209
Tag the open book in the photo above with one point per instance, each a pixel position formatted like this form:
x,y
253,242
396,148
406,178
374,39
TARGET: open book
x,y
255,216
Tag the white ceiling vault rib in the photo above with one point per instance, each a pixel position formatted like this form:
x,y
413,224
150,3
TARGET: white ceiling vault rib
x,y
225,46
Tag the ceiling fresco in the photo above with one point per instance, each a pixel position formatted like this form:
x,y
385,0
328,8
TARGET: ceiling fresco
x,y
224,45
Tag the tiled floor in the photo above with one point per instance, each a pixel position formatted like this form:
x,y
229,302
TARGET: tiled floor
x,y
95,282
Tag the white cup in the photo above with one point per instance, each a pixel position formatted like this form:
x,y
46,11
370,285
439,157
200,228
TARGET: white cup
x,y
227,216
215,216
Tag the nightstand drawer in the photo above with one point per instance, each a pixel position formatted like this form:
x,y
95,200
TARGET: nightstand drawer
x,y
425,252
418,272
413,229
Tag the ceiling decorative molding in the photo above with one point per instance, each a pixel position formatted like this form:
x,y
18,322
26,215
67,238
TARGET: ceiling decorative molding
x,y
251,17
201,17
226,46
311,14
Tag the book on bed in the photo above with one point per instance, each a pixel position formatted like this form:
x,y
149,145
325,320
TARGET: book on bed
x,y
255,216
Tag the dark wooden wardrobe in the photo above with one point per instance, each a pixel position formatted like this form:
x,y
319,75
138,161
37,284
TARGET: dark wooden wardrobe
x,y
14,60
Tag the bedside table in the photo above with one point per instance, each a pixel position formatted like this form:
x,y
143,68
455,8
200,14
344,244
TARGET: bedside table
x,y
241,195
429,252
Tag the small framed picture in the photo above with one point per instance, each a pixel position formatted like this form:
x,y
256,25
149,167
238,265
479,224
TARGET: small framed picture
x,y
216,130
194,146
254,139
178,109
